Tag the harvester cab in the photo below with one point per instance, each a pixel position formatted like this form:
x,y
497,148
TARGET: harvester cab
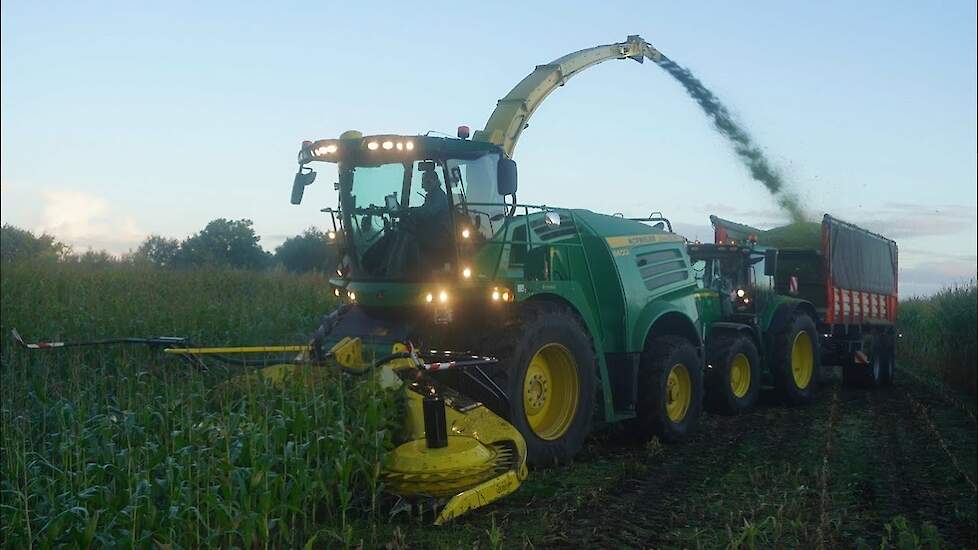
x,y
410,207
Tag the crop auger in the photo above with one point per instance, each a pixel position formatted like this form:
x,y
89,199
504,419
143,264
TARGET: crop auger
x,y
542,316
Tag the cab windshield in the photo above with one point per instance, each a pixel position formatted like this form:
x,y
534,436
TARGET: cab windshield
x,y
400,217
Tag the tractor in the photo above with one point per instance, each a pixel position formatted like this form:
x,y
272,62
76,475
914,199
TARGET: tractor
x,y
754,336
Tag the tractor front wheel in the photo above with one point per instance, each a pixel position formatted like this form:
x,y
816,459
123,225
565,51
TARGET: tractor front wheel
x,y
547,369
733,381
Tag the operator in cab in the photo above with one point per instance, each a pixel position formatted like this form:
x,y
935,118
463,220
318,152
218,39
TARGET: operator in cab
x,y
435,206
430,220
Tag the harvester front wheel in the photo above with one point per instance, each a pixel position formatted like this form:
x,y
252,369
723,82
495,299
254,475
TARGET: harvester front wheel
x,y
733,382
797,361
670,385
547,369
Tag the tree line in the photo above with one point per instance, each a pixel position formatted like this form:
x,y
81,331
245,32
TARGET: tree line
x,y
222,243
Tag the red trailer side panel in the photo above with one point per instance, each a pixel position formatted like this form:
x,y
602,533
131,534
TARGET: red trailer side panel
x,y
861,274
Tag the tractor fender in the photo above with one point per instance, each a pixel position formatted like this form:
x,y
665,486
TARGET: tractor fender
x,y
721,328
660,318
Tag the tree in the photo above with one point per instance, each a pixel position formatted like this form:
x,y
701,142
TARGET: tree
x,y
310,251
157,251
223,243
19,244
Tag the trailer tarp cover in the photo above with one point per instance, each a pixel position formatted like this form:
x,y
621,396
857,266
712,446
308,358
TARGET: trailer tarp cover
x,y
861,260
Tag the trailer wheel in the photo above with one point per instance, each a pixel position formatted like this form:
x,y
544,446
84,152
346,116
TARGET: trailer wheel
x,y
733,382
547,369
670,385
879,371
888,349
797,361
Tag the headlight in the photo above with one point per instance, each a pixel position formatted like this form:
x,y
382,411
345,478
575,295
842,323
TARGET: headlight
x,y
443,296
501,295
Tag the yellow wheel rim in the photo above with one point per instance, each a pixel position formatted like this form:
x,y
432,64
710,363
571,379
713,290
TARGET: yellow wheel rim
x,y
740,375
679,392
802,359
550,391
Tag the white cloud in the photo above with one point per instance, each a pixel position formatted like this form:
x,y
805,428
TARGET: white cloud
x,y
87,222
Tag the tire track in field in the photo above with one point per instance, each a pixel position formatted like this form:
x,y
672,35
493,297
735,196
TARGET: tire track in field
x,y
824,538
644,508
898,483
939,390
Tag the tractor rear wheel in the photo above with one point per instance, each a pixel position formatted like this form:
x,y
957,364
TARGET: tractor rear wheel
x,y
797,361
733,382
670,386
547,370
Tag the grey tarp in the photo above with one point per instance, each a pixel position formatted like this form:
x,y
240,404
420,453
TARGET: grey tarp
x,y
861,260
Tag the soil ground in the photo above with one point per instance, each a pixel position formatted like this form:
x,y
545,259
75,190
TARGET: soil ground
x,y
858,468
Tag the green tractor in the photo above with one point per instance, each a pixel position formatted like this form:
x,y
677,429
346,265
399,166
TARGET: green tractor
x,y
754,335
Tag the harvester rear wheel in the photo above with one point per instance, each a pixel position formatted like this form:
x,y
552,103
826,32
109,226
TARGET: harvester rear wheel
x,y
547,369
796,361
733,383
670,385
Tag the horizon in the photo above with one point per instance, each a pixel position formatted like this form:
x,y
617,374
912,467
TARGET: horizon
x,y
157,133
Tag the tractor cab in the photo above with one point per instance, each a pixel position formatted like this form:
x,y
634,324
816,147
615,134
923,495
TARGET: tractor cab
x,y
410,207
740,274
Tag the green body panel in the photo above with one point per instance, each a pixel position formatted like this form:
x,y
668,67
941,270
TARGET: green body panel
x,y
707,310
589,262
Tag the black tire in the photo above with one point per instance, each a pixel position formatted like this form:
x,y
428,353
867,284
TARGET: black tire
x,y
538,326
658,359
720,394
791,391
874,374
889,360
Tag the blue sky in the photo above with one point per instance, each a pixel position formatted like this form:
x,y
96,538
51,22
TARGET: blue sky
x,y
127,119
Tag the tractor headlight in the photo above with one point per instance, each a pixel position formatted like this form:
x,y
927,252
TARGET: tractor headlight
x,y
741,293
500,294
443,297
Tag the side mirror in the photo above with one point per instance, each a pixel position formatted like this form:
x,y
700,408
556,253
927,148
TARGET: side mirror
x,y
771,262
302,179
551,218
506,177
